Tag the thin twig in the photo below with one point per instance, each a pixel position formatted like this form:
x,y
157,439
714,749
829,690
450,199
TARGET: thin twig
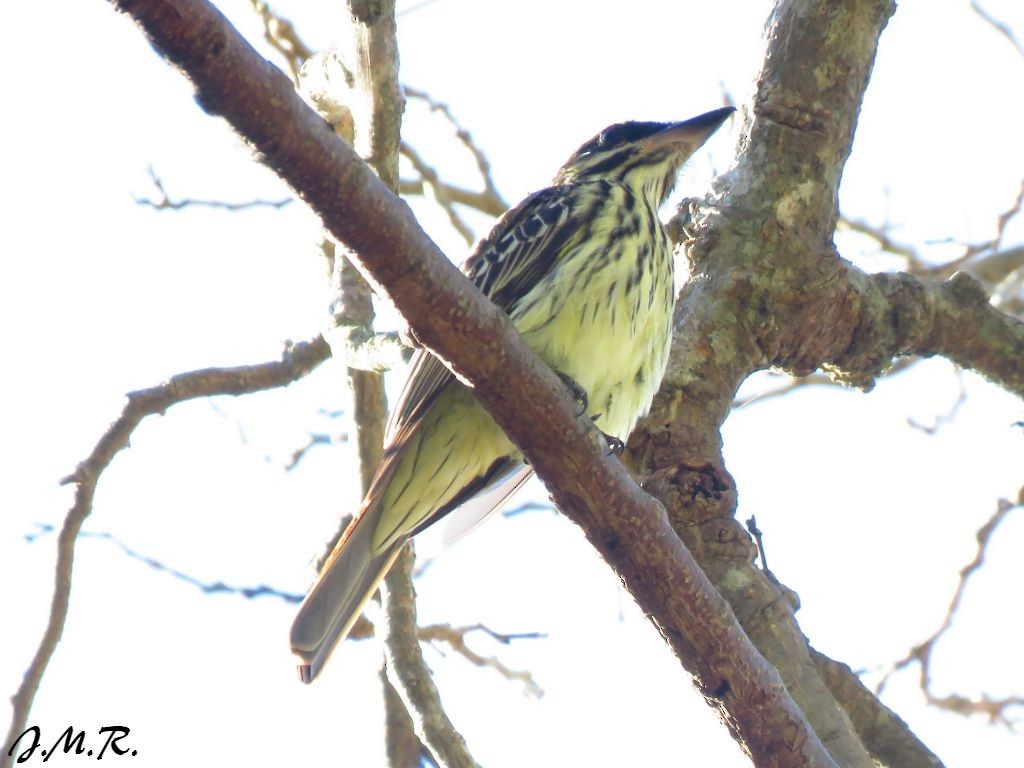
x,y
758,535
813,379
941,419
783,389
987,246
915,263
164,203
432,185
994,709
281,35
465,137
1000,27
415,7
312,440
480,201
206,587
455,638
881,236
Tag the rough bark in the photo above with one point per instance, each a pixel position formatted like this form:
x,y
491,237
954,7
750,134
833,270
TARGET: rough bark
x,y
769,290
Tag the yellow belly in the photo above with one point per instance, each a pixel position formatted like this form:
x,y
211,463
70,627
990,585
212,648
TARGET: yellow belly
x,y
614,343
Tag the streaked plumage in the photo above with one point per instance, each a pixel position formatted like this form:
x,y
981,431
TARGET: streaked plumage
x,y
584,270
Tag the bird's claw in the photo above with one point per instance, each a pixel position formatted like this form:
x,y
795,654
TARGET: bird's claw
x,y
615,446
578,392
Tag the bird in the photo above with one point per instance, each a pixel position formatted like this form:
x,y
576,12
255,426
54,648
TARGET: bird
x,y
584,270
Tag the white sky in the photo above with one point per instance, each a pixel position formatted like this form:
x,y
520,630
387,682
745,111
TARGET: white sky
x,y
868,519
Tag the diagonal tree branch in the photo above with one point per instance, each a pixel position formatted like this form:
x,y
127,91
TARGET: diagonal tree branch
x,y
452,319
886,736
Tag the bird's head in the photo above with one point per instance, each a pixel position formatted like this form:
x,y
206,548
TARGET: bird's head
x,y
641,155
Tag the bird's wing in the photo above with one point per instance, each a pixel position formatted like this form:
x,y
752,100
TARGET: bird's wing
x,y
473,512
521,249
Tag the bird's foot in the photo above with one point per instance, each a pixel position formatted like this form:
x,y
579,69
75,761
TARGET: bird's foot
x,y
578,392
615,446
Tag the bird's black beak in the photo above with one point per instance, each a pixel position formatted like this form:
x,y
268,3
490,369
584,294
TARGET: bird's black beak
x,y
690,133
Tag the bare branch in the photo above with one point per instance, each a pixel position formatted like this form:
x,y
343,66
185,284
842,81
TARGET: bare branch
x,y
297,361
970,251
314,439
479,201
881,236
767,293
983,259
996,267
813,379
900,314
887,737
281,34
404,747
163,202
432,185
942,419
283,38
406,663
484,166
999,26
455,638
446,195
206,587
994,709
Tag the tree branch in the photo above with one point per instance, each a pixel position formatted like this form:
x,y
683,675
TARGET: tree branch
x,y
431,183
767,291
999,26
455,638
994,709
887,737
405,661
164,203
297,361
904,315
455,321
376,127
497,204
480,201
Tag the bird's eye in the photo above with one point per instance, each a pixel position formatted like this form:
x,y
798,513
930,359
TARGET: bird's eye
x,y
610,136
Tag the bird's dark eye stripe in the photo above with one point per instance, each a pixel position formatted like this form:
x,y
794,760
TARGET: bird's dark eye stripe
x,y
609,162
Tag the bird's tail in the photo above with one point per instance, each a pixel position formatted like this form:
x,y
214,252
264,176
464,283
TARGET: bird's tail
x,y
333,604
